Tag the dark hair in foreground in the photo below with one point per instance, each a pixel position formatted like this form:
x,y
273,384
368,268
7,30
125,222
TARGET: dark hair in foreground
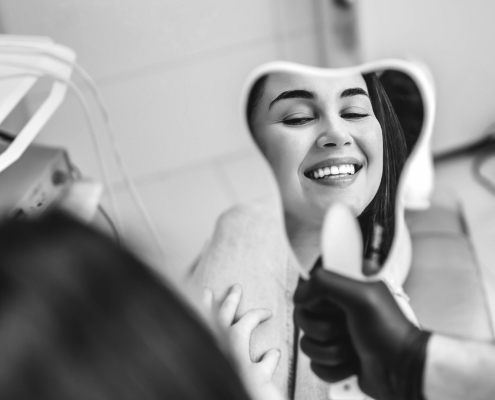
x,y
82,319
381,210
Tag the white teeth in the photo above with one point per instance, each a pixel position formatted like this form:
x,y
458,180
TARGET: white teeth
x,y
343,169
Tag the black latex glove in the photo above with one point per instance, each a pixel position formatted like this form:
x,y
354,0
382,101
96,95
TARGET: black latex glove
x,y
389,351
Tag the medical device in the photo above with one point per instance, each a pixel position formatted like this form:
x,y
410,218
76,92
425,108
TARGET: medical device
x,y
25,59
19,71
35,182
32,178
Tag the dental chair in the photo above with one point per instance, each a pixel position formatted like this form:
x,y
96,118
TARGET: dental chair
x,y
444,282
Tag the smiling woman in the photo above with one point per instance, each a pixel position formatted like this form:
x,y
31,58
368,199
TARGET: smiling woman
x,y
328,136
329,139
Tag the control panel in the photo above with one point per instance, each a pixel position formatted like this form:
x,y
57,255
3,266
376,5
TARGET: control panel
x,y
35,182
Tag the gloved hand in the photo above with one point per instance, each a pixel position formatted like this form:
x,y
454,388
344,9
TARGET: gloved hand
x,y
376,340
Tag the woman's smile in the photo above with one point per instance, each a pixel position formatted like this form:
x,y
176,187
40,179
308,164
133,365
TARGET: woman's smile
x,y
334,172
322,140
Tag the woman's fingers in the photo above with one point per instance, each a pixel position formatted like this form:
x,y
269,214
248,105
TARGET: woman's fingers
x,y
251,319
241,331
228,308
269,363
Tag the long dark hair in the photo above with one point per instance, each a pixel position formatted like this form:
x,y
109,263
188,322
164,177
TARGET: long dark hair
x,y
381,210
80,318
380,213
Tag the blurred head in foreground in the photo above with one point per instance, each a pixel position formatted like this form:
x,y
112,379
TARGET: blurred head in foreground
x,y
82,319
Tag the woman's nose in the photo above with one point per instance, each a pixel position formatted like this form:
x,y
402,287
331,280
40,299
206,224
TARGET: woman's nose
x,y
333,136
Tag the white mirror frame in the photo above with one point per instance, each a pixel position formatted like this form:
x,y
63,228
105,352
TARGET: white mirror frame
x,y
416,181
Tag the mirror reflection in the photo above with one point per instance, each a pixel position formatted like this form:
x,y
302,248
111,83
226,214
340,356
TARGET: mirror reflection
x,y
171,75
327,136
336,139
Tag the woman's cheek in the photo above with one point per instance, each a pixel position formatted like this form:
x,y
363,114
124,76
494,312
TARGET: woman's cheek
x,y
280,156
377,152
372,141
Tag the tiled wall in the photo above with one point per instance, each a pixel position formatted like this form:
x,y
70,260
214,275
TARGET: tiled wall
x,y
455,40
171,73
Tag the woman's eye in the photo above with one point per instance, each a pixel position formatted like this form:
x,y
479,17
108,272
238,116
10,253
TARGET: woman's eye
x,y
297,121
354,115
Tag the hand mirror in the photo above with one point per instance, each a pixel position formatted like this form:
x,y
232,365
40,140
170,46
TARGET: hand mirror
x,y
357,136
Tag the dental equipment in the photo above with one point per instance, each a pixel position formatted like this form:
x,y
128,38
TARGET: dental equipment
x,y
25,59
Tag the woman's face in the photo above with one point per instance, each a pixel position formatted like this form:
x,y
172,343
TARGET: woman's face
x,y
322,140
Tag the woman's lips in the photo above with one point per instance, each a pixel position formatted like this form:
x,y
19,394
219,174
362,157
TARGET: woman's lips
x,y
334,172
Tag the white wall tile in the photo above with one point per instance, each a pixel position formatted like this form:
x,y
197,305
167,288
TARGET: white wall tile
x,y
171,73
452,38
183,208
69,129
302,47
249,177
173,119
114,36
293,15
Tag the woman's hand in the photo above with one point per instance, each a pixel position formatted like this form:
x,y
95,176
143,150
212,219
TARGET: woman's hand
x,y
239,331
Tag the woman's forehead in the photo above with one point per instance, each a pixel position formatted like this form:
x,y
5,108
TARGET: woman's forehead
x,y
323,85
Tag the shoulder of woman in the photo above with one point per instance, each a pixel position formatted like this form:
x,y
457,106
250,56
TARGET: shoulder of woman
x,y
248,244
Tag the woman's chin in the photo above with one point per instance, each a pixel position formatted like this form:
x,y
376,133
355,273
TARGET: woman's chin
x,y
309,215
355,205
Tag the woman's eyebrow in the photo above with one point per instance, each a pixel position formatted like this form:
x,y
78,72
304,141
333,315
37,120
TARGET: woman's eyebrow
x,y
294,94
353,92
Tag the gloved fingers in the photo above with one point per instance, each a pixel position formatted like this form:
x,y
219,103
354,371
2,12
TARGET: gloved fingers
x,y
315,290
228,308
321,327
330,354
306,292
334,374
323,307
309,291
339,289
